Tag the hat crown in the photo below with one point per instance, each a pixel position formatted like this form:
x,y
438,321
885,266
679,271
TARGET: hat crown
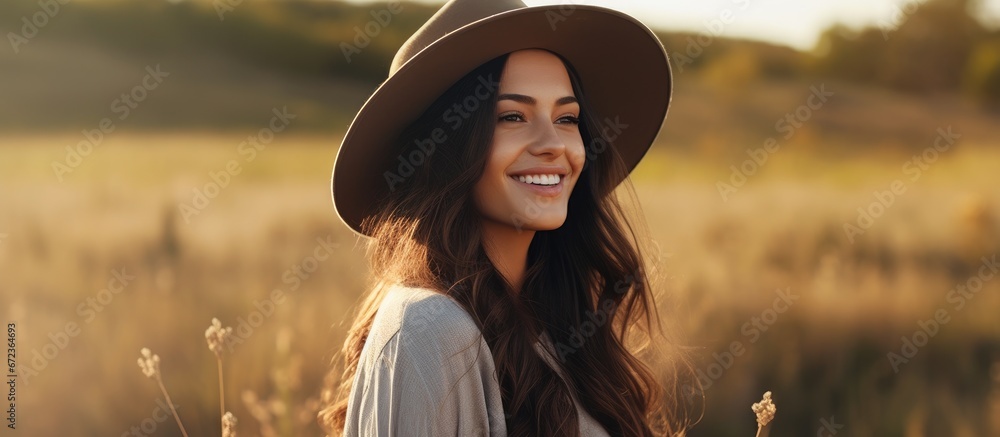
x,y
452,16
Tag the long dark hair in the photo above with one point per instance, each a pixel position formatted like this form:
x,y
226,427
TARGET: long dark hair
x,y
587,284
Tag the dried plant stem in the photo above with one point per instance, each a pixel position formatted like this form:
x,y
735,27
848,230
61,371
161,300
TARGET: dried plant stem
x,y
216,336
764,410
222,396
169,402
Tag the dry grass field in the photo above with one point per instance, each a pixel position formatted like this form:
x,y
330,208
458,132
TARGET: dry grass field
x,y
815,315
852,271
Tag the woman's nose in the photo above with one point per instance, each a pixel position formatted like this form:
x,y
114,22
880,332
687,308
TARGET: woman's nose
x,y
547,140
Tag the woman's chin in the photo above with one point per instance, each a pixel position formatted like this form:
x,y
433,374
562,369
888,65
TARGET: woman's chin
x,y
546,223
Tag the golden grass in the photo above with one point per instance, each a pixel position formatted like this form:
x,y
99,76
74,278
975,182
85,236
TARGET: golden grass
x,y
721,264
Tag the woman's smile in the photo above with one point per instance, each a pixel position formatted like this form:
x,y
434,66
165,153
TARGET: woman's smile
x,y
543,181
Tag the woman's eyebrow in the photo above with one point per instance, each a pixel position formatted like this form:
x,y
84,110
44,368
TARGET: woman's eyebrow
x,y
528,100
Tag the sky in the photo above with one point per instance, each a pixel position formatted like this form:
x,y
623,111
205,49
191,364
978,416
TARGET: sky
x,y
796,23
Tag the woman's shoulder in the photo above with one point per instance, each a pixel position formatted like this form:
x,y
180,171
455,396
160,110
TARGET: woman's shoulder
x,y
425,370
424,320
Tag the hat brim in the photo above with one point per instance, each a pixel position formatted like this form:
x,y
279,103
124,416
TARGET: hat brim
x,y
622,65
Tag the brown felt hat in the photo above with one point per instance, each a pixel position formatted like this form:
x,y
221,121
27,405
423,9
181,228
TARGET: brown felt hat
x,y
622,65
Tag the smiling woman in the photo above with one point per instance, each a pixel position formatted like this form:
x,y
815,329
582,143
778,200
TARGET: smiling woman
x,y
535,160
507,279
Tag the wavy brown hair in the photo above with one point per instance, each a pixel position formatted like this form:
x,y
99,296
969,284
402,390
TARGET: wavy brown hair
x,y
587,284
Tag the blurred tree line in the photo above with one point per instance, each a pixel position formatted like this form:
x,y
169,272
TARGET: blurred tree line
x,y
298,37
931,47
927,46
923,47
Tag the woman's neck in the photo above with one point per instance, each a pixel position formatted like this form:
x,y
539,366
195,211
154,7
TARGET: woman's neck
x,y
507,248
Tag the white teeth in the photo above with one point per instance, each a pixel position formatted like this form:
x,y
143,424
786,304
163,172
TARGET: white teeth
x,y
543,179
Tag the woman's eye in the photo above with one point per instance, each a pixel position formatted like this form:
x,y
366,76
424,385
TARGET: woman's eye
x,y
511,116
570,119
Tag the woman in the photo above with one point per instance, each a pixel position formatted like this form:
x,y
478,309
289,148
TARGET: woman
x,y
507,278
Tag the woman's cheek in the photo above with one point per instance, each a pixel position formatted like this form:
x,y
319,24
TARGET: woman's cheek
x,y
577,156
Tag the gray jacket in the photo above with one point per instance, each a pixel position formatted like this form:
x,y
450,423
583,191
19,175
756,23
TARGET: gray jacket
x,y
426,371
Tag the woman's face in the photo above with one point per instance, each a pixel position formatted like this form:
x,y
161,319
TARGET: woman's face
x,y
537,152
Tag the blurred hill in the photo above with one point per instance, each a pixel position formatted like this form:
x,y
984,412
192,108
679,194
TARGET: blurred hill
x,y
223,72
229,66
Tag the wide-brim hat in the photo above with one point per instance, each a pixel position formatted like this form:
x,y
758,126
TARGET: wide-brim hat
x,y
621,63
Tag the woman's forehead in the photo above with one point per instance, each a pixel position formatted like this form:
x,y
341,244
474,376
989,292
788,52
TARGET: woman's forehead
x,y
535,72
